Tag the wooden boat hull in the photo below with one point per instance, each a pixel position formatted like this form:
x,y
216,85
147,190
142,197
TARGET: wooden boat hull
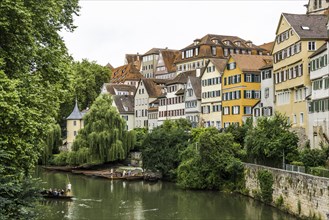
x,y
131,178
58,197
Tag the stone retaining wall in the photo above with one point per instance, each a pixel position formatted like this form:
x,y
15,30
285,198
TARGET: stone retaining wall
x,y
303,195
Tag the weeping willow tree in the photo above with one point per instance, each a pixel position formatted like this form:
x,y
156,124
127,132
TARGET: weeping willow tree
x,y
51,143
104,137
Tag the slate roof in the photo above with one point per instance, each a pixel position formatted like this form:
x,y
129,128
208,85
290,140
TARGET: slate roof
x,y
75,114
182,77
124,103
315,22
111,87
320,50
196,85
125,72
251,62
153,90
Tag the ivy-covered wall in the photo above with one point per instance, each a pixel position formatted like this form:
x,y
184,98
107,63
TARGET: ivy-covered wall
x,y
300,194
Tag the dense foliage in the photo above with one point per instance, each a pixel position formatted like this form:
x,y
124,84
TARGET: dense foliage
x,y
270,140
84,84
161,147
211,161
104,137
33,73
265,179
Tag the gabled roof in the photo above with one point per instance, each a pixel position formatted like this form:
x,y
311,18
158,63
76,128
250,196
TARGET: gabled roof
x,y
153,90
124,103
124,73
180,92
75,114
267,46
153,51
169,57
109,66
134,59
111,87
320,50
312,26
251,62
182,77
219,63
196,85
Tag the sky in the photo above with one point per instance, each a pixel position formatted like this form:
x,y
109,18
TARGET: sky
x,y
107,30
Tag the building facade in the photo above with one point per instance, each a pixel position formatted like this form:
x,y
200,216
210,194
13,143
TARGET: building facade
x,y
192,100
318,131
241,87
149,62
165,67
147,91
211,86
125,106
297,37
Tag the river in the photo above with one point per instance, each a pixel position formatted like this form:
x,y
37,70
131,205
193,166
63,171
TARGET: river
x,y
97,198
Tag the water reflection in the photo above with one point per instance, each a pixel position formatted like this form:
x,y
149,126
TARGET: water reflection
x,y
97,198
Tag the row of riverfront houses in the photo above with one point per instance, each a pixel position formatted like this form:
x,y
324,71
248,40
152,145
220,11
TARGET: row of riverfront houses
x,y
223,80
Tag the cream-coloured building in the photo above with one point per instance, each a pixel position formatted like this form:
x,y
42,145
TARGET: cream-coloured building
x,y
74,123
211,101
297,37
317,7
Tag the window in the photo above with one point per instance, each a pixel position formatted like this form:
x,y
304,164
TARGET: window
x,y
301,119
235,110
226,110
294,119
247,110
225,52
74,123
231,66
311,45
196,51
267,92
283,97
213,51
75,133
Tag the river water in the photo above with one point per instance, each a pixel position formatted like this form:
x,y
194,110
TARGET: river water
x,y
97,198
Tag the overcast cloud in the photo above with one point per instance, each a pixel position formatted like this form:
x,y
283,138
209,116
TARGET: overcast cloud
x,y
107,30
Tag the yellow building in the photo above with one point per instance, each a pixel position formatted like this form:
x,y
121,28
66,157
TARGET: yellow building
x,y
297,37
74,123
241,87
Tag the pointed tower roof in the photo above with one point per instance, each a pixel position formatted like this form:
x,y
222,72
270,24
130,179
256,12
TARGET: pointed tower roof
x,y
75,114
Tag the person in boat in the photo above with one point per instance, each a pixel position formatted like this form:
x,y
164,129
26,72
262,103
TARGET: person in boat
x,y
68,189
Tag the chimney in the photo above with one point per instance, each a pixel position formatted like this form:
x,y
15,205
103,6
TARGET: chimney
x,y
198,72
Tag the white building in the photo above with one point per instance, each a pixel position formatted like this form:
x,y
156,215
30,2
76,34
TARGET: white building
x,y
147,91
193,100
265,107
165,68
171,103
211,102
125,106
319,105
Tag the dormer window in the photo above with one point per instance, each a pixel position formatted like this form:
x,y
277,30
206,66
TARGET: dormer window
x,y
226,42
196,41
215,41
238,43
183,53
305,28
249,43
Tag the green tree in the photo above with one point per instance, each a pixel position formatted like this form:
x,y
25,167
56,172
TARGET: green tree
x,y
104,137
51,143
211,162
270,140
163,145
33,72
239,132
84,83
140,134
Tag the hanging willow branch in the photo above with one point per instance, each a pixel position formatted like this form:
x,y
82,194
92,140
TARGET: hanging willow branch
x,y
104,134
